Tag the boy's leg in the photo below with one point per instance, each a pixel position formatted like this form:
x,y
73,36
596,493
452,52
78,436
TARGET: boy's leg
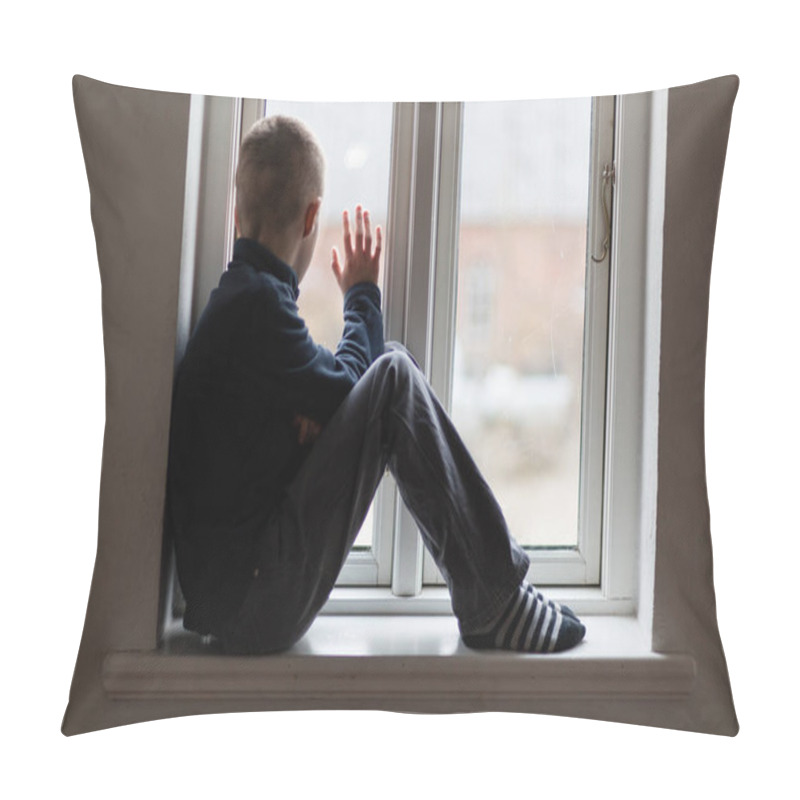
x,y
464,528
391,417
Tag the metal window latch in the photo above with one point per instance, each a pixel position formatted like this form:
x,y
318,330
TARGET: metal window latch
x,y
608,177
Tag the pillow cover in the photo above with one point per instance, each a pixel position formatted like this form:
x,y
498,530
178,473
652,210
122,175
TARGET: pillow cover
x,y
135,145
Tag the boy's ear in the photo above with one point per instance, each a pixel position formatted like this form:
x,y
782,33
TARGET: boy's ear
x,y
312,212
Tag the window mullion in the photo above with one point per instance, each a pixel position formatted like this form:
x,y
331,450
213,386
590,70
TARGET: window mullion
x,y
443,299
416,327
443,313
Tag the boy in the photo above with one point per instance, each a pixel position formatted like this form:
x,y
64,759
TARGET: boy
x,y
277,446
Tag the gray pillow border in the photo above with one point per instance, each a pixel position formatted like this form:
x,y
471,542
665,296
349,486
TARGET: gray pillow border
x,y
136,183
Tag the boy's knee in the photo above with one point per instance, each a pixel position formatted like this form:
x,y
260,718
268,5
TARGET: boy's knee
x,y
400,354
397,359
397,372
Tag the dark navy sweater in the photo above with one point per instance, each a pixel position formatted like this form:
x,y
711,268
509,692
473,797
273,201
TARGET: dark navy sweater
x,y
249,367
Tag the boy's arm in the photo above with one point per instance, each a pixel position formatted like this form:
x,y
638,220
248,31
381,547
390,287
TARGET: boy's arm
x,y
312,380
361,343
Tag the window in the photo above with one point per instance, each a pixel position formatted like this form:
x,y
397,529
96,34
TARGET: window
x,y
492,212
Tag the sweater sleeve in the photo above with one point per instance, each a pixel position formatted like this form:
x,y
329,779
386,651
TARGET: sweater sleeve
x,y
309,379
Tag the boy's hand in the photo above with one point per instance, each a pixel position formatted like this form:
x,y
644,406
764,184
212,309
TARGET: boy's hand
x,y
308,429
360,263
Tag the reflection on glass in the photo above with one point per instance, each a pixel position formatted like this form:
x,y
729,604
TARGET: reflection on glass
x,y
520,310
356,140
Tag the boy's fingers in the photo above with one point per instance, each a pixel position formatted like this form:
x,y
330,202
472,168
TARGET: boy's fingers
x,y
359,229
335,263
367,234
379,241
348,245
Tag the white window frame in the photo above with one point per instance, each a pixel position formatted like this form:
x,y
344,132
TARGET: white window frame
x,y
420,260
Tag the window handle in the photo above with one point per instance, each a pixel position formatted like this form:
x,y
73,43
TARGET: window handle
x,y
608,176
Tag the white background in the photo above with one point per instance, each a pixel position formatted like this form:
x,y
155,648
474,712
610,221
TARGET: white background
x,y
53,386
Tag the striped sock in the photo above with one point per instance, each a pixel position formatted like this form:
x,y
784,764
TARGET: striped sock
x,y
530,623
565,610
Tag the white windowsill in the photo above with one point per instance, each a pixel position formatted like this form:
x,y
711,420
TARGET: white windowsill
x,y
360,600
407,663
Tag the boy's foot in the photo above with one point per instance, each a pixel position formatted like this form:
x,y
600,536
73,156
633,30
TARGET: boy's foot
x,y
530,623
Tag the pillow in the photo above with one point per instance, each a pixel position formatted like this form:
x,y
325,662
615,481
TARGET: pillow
x,y
135,146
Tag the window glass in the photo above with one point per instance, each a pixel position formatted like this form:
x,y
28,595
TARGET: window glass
x,y
520,307
356,139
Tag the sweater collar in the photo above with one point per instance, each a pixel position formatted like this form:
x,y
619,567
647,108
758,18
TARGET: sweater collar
x,y
262,259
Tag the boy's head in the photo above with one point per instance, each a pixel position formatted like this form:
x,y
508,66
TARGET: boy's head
x,y
280,175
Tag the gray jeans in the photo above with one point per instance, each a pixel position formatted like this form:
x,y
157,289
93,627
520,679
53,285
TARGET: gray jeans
x,y
391,418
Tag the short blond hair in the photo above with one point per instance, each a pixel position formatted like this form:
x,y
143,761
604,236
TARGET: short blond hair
x,y
281,170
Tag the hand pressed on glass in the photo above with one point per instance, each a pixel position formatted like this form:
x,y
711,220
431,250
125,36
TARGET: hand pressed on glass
x,y
361,264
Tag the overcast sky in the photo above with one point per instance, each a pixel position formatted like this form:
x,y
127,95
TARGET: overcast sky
x,y
519,159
